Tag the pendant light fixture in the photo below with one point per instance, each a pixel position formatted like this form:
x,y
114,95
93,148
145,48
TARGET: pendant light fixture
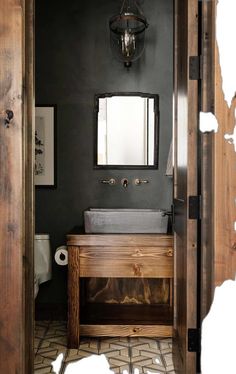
x,y
127,32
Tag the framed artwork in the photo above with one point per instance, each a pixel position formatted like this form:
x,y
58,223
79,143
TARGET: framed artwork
x,y
45,134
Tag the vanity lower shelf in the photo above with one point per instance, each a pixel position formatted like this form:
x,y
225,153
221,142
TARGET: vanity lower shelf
x,y
126,320
129,314
118,256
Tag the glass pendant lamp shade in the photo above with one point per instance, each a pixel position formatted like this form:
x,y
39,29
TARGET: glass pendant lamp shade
x,y
127,32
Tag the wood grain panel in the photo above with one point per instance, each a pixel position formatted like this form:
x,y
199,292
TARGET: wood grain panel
x,y
161,254
125,262
127,330
219,185
224,185
185,181
12,197
127,291
73,297
120,240
207,157
219,178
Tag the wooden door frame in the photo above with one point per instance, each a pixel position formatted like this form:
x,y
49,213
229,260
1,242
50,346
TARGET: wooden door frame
x,y
186,107
16,188
207,158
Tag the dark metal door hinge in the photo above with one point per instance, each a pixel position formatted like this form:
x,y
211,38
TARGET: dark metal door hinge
x,y
194,211
195,67
194,340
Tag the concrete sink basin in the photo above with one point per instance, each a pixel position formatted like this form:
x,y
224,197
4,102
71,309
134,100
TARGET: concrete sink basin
x,y
125,221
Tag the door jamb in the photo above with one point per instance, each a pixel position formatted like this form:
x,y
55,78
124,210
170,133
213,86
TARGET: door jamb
x,y
29,190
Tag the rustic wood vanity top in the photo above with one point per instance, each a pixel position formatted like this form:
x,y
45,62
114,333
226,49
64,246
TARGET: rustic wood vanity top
x,y
116,256
112,240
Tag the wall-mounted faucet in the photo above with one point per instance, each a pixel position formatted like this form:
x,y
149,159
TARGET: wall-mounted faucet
x,y
111,181
124,182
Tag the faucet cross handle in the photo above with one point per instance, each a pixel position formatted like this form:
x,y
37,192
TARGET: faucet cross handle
x,y
111,181
138,181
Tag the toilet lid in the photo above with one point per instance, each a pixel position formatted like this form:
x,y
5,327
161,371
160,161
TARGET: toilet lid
x,y
42,236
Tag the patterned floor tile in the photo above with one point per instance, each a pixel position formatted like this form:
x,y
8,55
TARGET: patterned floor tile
x,y
120,369
55,338
40,332
75,355
145,370
120,340
147,355
165,345
42,364
117,352
36,343
48,352
168,362
115,346
51,351
91,343
125,355
54,341
41,328
45,370
152,342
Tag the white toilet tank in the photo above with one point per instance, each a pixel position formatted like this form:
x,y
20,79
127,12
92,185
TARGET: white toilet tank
x,y
42,258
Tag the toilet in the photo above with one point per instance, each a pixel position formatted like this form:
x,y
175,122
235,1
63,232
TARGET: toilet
x,y
42,260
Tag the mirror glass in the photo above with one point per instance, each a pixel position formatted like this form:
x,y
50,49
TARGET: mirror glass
x,y
126,130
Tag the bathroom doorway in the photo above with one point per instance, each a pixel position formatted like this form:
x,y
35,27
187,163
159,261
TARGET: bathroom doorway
x,y
77,108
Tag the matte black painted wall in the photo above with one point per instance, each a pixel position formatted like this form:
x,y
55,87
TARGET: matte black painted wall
x,y
74,62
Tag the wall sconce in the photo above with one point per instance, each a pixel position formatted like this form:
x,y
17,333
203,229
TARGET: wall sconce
x,y
127,32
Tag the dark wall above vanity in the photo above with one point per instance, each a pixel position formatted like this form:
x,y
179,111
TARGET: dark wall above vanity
x,y
73,63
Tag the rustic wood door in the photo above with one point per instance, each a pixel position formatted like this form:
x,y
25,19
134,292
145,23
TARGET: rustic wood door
x,y
185,181
16,187
218,257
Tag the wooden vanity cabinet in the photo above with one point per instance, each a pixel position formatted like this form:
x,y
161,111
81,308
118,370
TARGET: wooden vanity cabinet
x,y
119,256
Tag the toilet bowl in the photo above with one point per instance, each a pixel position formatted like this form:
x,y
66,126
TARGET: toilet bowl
x,y
42,260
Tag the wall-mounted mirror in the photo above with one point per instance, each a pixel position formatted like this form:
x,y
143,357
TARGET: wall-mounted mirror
x,y
126,131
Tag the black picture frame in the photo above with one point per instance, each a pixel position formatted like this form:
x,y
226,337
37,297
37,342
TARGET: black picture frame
x,y
48,113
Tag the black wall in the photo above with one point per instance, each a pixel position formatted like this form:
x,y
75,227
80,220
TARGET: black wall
x,y
74,62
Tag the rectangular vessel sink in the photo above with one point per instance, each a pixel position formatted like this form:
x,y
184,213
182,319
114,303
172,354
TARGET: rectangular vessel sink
x,y
125,221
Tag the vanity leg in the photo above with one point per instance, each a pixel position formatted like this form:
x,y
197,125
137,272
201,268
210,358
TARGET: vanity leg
x,y
73,296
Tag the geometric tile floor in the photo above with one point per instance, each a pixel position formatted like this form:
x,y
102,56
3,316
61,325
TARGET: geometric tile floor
x,y
148,355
